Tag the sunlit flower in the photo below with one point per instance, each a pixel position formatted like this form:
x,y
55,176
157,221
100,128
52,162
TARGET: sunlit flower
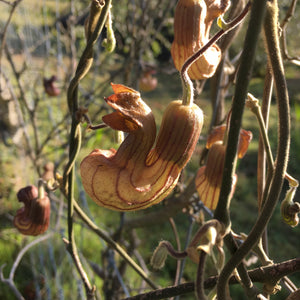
x,y
34,217
192,23
135,177
209,177
218,134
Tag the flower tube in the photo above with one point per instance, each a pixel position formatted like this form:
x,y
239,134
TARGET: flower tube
x,y
137,176
192,23
34,217
209,177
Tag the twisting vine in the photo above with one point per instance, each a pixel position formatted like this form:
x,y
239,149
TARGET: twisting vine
x,y
274,55
98,15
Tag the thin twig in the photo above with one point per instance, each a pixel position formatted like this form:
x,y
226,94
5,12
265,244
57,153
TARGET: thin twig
x,y
10,280
4,32
290,13
177,239
102,234
99,13
265,274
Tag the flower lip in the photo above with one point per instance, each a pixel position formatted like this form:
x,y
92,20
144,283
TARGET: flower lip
x,y
219,132
131,112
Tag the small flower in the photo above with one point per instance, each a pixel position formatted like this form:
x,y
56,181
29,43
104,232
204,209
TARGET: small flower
x,y
48,171
50,88
210,234
34,217
137,176
290,209
192,23
161,253
147,82
209,178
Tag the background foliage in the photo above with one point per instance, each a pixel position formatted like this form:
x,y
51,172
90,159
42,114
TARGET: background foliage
x,y
45,38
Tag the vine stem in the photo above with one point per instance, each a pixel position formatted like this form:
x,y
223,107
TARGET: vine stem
x,y
187,85
242,83
274,56
253,104
98,14
261,274
199,284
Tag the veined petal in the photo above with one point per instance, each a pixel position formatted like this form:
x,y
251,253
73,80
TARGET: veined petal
x,y
34,217
244,141
217,134
209,178
192,22
134,176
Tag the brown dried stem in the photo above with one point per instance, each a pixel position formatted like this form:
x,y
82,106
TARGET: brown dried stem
x,y
267,274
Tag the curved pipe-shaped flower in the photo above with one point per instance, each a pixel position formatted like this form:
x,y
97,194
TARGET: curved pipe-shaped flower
x,y
136,177
192,23
209,178
34,217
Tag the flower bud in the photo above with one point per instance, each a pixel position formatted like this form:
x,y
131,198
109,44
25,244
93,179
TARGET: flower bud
x,y
161,252
290,209
48,171
110,42
159,256
34,217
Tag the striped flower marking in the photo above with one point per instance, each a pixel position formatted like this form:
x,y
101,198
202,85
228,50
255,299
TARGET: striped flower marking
x,y
34,217
209,177
192,23
137,176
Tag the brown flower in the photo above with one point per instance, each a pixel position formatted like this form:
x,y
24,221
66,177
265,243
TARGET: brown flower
x,y
135,177
209,177
50,88
192,23
218,134
147,82
34,217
